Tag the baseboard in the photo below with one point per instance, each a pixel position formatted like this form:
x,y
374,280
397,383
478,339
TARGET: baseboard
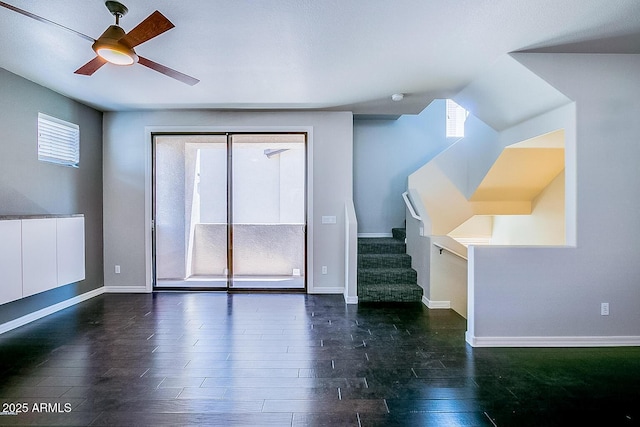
x,y
126,289
367,235
586,341
327,290
350,300
435,304
36,315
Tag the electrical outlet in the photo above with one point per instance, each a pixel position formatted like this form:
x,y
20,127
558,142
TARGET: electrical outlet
x,y
324,269
604,309
117,269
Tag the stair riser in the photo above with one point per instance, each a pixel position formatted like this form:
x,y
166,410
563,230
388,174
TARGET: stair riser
x,y
399,233
382,248
385,294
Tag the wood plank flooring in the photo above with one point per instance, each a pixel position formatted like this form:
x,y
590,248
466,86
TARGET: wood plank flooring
x,y
220,359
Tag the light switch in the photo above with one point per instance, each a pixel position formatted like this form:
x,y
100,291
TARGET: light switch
x,y
330,219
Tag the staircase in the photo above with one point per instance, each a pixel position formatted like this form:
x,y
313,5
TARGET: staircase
x,y
384,270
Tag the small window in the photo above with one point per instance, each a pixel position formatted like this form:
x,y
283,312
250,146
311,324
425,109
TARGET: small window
x,y
58,141
456,116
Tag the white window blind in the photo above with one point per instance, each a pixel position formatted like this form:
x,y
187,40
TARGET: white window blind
x,y
456,116
58,141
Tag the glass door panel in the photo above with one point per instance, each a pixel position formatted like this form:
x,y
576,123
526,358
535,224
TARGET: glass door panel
x,y
268,188
190,211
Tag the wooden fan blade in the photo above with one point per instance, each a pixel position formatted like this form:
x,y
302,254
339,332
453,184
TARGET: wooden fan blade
x,y
91,67
167,71
45,20
153,26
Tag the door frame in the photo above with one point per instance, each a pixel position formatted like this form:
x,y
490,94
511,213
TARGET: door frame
x,y
150,131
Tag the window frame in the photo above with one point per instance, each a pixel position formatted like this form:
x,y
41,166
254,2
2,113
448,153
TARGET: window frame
x,y
58,141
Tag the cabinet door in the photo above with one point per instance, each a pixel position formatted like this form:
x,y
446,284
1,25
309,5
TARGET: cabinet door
x,y
10,260
70,249
39,266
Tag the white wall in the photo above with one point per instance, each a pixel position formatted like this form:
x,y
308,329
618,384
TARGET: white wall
x,y
468,160
559,118
127,149
448,275
552,296
31,187
545,225
385,153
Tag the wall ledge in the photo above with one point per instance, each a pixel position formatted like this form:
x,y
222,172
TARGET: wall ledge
x,y
565,341
36,315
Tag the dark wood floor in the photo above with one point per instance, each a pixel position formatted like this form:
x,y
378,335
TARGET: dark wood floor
x,y
296,360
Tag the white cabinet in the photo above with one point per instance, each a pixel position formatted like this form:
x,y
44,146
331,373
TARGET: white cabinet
x,y
70,249
38,254
10,261
39,263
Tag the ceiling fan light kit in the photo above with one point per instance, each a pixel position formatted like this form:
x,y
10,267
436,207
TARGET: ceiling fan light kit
x,y
112,50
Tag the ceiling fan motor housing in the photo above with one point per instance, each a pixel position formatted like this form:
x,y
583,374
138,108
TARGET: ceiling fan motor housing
x,y
110,47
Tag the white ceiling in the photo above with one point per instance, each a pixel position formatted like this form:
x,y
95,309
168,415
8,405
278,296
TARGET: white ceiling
x,y
305,54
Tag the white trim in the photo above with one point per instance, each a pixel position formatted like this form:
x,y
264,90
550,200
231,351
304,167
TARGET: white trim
x,y
310,222
148,209
149,130
586,341
435,304
328,290
36,315
369,235
350,253
126,290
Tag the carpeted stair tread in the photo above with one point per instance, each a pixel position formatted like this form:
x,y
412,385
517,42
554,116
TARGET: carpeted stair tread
x,y
384,261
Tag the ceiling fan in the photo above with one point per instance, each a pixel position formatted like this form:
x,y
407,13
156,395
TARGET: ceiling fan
x,y
117,47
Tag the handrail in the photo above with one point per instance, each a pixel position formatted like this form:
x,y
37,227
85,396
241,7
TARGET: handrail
x,y
412,211
444,248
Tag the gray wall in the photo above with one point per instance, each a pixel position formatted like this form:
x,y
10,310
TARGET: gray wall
x,y
29,187
385,153
127,190
557,292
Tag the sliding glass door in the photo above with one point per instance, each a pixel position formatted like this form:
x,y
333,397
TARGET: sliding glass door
x,y
190,211
229,211
268,211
